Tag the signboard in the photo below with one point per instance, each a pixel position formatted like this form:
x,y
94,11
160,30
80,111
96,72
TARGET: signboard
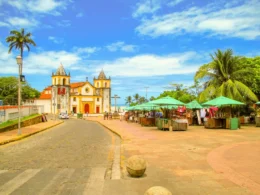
x,y
61,91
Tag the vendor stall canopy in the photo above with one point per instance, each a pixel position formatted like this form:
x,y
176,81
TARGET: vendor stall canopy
x,y
166,101
194,105
258,103
222,101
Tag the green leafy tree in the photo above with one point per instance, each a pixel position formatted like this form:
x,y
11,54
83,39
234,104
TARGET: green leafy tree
x,y
19,40
152,98
128,100
9,90
253,79
223,76
141,100
136,97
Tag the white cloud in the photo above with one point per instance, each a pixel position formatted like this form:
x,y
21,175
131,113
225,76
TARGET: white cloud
x,y
3,24
237,21
56,40
120,45
174,2
149,65
79,15
88,50
22,22
64,23
37,63
40,6
146,7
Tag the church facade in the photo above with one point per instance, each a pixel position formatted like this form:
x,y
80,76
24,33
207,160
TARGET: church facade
x,y
79,97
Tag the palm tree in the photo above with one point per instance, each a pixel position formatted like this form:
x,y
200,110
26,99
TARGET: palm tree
x,y
136,97
128,100
224,77
19,40
141,100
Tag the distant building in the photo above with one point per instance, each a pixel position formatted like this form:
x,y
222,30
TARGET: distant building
x,y
80,97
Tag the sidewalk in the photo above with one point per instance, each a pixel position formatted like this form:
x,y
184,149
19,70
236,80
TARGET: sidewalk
x,y
11,136
182,161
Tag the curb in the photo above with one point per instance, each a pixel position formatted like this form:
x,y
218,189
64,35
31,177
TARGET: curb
x,y
122,156
28,135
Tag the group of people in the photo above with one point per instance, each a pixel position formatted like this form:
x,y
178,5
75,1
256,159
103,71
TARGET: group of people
x,y
107,115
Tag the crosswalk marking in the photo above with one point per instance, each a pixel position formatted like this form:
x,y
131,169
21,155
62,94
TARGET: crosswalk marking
x,y
95,182
62,175
19,180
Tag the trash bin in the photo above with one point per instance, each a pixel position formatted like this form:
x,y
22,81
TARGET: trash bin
x,y
79,115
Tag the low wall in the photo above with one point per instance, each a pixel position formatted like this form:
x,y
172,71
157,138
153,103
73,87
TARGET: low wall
x,y
32,121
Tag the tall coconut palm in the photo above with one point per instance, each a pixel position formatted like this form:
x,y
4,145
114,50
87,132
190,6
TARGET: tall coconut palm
x,y
136,97
128,100
224,77
19,40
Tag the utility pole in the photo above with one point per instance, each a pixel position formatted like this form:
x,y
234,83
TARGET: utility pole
x,y
115,97
146,92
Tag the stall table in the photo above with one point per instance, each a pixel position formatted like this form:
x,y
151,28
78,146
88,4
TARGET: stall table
x,y
257,121
222,123
147,121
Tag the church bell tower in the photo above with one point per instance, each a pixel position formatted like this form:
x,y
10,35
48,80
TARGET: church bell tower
x,y
60,101
103,88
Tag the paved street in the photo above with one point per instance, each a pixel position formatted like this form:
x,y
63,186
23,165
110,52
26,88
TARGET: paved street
x,y
72,158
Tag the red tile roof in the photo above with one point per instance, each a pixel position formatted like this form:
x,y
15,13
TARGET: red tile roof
x,y
44,96
76,85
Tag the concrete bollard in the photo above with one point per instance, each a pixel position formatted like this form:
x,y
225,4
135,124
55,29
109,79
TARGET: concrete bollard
x,y
136,166
157,190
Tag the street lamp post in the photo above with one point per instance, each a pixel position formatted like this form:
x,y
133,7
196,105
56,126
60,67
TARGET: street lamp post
x,y
146,92
19,61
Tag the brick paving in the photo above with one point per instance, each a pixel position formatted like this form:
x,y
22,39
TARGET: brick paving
x,y
196,161
10,136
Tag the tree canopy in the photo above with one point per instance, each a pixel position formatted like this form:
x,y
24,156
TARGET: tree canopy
x,y
9,90
225,76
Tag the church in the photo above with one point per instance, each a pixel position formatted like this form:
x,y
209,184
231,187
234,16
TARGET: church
x,y
79,97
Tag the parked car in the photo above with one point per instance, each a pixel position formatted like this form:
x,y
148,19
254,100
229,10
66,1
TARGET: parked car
x,y
63,115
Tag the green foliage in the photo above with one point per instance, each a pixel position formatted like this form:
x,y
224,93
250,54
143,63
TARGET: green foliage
x,y
253,79
13,122
179,92
137,99
19,40
9,90
225,76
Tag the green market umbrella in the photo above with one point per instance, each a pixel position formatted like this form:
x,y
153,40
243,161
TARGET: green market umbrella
x,y
166,101
258,103
222,101
194,105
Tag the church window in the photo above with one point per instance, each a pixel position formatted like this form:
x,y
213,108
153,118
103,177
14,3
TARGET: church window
x,y
97,84
97,99
87,89
105,84
74,99
64,82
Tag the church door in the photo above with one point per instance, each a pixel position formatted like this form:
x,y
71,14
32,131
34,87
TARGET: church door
x,y
86,108
97,109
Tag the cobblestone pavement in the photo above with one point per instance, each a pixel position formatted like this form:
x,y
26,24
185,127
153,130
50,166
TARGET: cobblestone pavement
x,y
196,161
72,158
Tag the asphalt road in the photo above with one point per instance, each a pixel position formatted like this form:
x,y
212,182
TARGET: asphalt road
x,y
72,158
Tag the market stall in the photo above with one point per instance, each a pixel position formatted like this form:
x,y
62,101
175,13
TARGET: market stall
x,y
193,113
220,116
166,103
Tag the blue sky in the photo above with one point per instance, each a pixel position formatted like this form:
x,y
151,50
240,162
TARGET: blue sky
x,y
139,43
